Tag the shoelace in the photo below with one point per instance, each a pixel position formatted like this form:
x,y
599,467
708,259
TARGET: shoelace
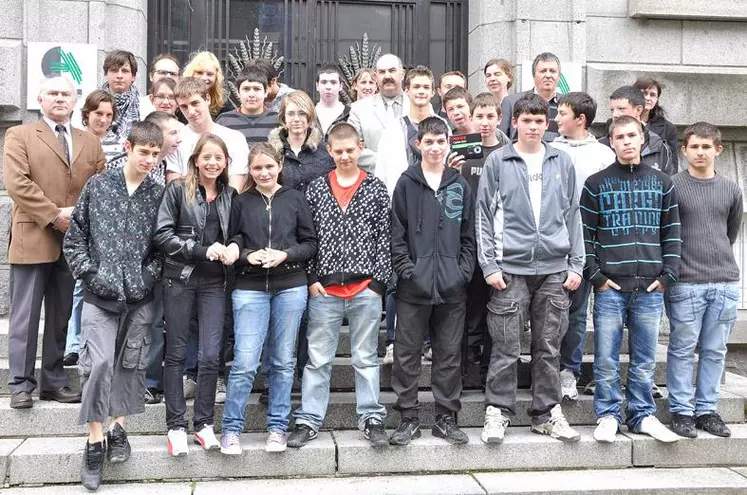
x,y
118,439
94,461
276,437
559,421
495,421
232,440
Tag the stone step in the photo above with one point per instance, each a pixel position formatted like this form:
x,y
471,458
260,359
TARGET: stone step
x,y
343,375
54,419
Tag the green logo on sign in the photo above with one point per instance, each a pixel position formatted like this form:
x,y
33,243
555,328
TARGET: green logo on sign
x,y
563,86
56,62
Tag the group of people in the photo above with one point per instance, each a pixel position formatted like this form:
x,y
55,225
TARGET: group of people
x,y
249,235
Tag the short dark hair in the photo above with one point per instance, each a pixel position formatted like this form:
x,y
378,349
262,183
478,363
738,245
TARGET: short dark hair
x,y
418,71
252,74
145,133
432,125
580,103
486,99
188,86
630,93
545,57
160,118
343,130
458,92
703,130
118,58
328,69
452,73
93,100
163,56
266,66
624,120
531,103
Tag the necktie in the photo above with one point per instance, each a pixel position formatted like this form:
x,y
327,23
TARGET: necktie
x,y
61,131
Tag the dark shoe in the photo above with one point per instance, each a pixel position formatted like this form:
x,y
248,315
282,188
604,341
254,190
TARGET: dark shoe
x,y
300,436
683,425
153,396
447,429
70,359
21,400
713,424
118,447
264,397
375,433
93,465
407,430
64,395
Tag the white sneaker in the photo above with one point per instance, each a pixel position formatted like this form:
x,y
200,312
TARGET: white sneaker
x,y
206,438
652,427
389,357
495,425
220,391
606,430
190,387
568,384
277,441
557,427
176,441
230,444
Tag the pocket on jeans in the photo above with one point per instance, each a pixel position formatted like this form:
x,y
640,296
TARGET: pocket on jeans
x,y
680,302
84,360
556,317
135,354
728,311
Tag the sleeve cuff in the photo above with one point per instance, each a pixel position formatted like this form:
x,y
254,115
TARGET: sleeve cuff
x,y
200,252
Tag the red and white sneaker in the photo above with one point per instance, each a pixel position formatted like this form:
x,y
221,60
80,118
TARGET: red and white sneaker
x,y
206,438
176,441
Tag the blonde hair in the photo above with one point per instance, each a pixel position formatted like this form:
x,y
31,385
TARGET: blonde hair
x,y
192,180
365,70
269,151
200,61
303,101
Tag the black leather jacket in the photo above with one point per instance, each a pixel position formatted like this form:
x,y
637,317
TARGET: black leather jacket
x,y
180,226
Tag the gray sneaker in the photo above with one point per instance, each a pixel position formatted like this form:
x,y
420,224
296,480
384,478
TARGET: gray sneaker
x,y
220,391
190,387
230,444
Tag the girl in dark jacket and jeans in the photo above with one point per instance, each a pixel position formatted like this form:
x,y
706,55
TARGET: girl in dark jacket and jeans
x,y
191,230
272,238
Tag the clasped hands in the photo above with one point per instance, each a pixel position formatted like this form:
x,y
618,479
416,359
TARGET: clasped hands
x,y
225,254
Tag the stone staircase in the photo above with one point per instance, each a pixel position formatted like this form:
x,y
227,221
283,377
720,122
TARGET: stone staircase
x,y
43,446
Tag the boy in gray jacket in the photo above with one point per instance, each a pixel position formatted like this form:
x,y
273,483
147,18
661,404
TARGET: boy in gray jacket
x,y
530,248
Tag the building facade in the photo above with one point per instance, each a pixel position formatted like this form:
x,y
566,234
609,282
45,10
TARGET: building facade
x,y
698,50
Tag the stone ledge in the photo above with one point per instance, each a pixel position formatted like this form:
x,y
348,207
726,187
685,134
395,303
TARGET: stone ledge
x,y
689,9
6,448
11,74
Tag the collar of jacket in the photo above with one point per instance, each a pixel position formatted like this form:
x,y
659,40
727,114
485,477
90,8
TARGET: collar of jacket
x,y
278,139
510,153
147,182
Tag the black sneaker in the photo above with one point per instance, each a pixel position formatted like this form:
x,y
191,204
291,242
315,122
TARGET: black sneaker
x,y
375,433
93,465
713,424
683,425
153,396
118,447
447,429
264,397
407,430
301,435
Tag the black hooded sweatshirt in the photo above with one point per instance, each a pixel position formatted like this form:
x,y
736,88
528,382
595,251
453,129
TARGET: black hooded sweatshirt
x,y
433,237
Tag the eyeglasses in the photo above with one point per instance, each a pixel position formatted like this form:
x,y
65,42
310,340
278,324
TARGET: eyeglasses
x,y
296,115
167,73
160,97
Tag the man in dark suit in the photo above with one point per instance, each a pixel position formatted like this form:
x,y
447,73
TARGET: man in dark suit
x,y
546,73
46,164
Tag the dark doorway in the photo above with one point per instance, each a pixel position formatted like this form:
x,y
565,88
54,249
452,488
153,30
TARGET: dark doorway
x,y
311,32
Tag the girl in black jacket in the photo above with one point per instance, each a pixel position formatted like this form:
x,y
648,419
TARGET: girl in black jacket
x,y
653,116
192,230
272,238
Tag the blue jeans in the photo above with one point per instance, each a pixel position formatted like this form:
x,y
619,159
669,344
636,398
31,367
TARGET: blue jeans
x,y
700,315
325,319
641,311
257,314
72,344
572,347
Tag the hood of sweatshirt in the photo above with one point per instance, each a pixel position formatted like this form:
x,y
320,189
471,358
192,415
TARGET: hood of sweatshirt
x,y
575,143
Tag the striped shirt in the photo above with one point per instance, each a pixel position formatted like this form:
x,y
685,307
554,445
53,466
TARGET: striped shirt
x,y
255,128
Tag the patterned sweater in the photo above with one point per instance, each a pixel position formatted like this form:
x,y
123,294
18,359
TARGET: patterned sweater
x,y
353,245
109,243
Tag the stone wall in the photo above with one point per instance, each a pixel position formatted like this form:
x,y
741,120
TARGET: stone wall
x,y
106,23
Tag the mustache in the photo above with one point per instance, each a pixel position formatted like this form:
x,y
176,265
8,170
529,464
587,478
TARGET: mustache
x,y
388,80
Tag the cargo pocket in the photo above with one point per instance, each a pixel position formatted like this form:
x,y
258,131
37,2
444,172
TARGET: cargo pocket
x,y
504,324
556,318
136,353
84,360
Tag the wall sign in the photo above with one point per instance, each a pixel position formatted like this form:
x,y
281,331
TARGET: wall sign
x,y
77,61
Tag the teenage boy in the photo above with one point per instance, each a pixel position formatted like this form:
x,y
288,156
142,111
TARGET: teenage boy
x,y
330,110
276,90
433,254
120,71
193,99
702,305
629,100
251,119
447,81
459,105
485,117
399,136
531,252
352,219
632,238
109,247
576,112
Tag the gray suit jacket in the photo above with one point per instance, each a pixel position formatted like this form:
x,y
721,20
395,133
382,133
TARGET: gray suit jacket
x,y
369,118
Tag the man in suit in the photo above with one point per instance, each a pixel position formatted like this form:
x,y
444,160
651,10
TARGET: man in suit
x,y
46,164
370,116
546,73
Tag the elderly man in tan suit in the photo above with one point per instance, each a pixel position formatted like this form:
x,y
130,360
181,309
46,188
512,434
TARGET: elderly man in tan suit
x,y
46,164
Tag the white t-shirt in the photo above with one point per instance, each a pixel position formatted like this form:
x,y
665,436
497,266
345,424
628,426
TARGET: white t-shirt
x,y
238,150
534,173
433,179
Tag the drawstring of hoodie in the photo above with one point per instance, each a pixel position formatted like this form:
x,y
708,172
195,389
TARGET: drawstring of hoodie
x,y
419,228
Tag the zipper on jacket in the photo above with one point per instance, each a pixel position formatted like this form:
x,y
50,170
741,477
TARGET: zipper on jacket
x,y
269,246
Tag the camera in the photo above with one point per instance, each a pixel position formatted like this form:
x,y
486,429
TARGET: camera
x,y
467,145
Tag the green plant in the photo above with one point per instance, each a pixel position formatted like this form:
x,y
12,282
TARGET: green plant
x,y
249,50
